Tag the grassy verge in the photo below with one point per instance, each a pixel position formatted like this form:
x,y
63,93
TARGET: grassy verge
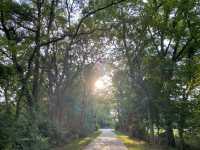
x,y
80,143
193,142
134,144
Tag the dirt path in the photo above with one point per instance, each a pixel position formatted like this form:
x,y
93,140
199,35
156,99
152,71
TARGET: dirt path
x,y
106,141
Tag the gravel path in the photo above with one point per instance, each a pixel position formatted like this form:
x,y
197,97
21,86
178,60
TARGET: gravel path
x,y
106,141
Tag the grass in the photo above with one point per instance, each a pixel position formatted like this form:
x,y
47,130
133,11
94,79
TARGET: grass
x,y
193,142
134,144
80,143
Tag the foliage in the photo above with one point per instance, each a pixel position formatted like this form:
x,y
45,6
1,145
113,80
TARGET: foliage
x,y
52,52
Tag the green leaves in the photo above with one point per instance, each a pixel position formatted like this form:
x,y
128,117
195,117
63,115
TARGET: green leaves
x,y
153,49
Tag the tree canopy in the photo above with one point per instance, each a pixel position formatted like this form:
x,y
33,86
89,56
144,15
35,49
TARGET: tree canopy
x,y
68,67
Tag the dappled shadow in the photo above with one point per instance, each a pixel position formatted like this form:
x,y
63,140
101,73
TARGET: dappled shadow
x,y
106,141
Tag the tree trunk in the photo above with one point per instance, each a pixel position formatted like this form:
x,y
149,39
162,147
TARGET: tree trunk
x,y
170,136
37,56
6,98
182,142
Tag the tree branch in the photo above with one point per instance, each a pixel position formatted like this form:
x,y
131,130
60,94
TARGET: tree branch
x,y
80,23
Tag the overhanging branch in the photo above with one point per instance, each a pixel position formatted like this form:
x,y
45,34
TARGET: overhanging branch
x,y
80,23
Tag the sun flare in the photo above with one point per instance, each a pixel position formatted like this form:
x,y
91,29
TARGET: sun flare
x,y
103,82
99,84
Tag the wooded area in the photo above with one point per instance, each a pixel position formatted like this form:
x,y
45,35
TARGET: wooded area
x,y
69,67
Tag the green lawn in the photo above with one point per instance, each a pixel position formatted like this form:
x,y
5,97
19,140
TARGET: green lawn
x,y
134,144
80,143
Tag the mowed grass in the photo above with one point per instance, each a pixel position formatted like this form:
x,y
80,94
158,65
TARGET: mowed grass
x,y
80,143
134,144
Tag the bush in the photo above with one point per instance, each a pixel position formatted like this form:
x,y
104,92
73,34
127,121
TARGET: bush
x,y
23,133
6,123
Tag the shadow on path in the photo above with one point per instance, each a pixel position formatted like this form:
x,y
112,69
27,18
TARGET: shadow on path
x,y
106,141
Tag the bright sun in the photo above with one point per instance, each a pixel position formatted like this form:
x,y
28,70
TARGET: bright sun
x,y
103,82
99,84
